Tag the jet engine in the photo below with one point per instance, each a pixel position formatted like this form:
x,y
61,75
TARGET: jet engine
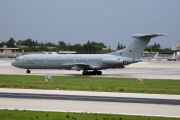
x,y
113,61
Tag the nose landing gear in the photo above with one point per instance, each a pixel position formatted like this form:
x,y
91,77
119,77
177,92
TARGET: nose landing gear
x,y
28,71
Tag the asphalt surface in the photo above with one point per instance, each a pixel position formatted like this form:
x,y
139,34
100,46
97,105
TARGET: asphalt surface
x,y
90,102
90,98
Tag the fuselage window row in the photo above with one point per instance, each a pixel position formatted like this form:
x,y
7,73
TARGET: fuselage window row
x,y
61,59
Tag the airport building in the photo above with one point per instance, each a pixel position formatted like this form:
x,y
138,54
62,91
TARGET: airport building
x,y
8,52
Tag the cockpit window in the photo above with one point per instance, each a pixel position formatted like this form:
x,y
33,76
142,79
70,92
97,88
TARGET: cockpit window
x,y
17,59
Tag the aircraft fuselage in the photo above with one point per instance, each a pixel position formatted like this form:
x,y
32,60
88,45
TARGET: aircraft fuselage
x,y
72,61
130,54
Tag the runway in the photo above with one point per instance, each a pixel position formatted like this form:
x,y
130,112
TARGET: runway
x,y
91,102
97,102
91,98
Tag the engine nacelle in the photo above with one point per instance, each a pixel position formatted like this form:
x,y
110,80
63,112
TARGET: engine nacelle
x,y
112,61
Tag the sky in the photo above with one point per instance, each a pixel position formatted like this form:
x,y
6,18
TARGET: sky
x,y
77,21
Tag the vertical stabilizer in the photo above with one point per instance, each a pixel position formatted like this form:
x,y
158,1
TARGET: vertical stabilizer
x,y
136,47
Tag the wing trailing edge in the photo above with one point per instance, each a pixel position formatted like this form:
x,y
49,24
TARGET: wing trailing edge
x,y
79,66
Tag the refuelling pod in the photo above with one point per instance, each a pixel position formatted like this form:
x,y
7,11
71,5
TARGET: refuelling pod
x,y
113,61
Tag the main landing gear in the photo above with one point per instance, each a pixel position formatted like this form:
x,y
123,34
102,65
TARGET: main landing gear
x,y
95,72
28,71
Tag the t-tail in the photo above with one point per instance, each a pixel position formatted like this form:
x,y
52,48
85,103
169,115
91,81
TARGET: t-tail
x,y
135,48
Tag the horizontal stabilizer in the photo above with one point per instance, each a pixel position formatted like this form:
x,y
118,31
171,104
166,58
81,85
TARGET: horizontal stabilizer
x,y
148,35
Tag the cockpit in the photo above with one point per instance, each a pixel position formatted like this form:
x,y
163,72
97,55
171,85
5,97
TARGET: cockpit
x,y
17,61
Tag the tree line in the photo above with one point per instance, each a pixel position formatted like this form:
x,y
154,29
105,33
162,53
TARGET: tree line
x,y
90,47
30,45
157,48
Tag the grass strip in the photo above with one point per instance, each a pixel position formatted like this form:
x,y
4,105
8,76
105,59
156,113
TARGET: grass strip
x,y
38,115
81,83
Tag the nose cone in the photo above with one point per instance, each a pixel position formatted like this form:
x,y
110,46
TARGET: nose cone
x,y
13,62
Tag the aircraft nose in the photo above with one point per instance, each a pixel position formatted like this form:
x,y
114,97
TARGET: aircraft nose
x,y
13,62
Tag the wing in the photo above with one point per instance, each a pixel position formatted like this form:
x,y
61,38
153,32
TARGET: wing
x,y
79,66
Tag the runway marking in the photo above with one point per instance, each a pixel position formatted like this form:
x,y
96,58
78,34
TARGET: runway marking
x,y
91,98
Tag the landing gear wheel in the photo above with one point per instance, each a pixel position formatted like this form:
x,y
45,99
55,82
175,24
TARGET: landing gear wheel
x,y
28,71
94,73
85,73
99,73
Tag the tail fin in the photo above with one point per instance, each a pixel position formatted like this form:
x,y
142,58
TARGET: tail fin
x,y
136,47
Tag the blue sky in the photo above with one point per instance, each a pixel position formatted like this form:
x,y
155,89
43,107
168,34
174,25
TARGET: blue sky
x,y
77,21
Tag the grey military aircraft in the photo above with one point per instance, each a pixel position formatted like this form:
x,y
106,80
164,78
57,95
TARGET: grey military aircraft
x,y
91,64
